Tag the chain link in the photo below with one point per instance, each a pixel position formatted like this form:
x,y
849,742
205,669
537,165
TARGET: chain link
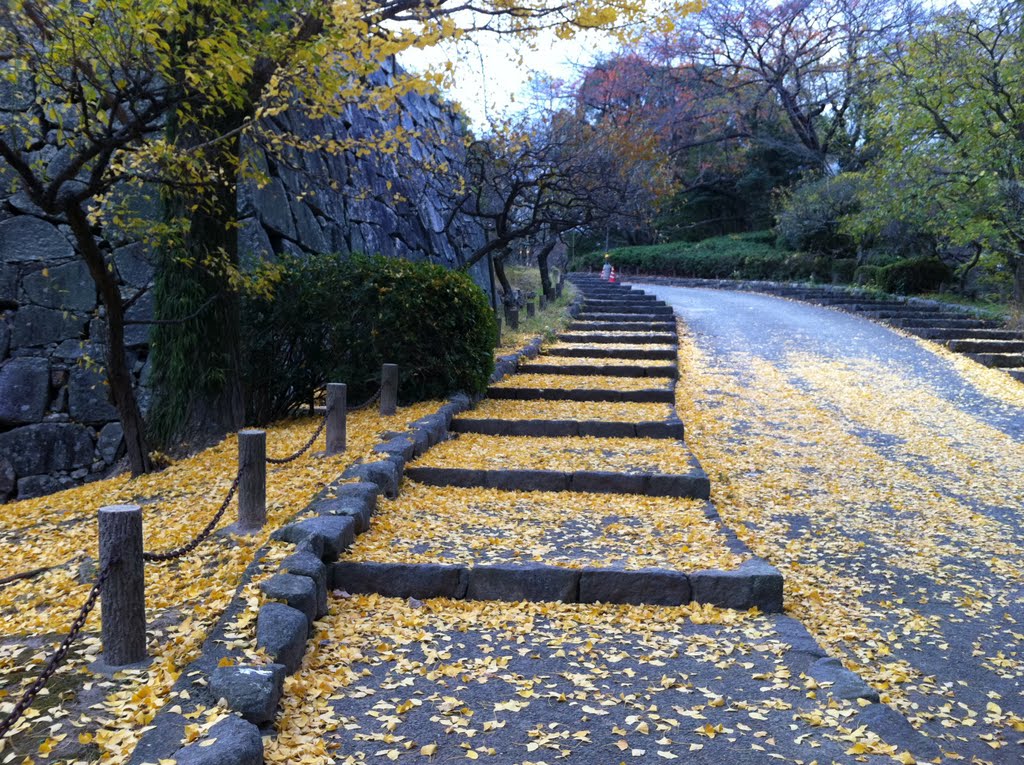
x,y
185,549
55,661
305,447
368,403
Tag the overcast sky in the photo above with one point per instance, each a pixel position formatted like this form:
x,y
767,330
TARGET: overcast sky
x,y
491,79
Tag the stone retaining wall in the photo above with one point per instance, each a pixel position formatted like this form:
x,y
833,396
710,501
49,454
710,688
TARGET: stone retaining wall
x,y
57,427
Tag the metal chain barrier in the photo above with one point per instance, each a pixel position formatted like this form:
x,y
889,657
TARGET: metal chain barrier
x,y
54,663
368,403
305,447
185,549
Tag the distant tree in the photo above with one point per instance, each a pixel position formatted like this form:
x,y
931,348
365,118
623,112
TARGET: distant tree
x,y
948,127
535,179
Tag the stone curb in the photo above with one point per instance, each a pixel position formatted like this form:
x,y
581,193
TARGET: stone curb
x,y
754,584
646,396
561,428
694,485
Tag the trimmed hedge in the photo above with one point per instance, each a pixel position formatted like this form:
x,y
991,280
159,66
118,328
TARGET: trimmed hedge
x,y
337,320
734,256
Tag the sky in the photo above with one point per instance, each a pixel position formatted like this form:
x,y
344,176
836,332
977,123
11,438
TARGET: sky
x,y
492,74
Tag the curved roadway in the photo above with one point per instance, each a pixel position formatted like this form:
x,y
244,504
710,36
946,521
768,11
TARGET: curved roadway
x,y
885,477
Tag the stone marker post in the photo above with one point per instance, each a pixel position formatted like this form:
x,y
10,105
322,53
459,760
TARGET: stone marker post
x,y
123,598
543,302
252,479
531,309
513,318
388,389
498,320
337,411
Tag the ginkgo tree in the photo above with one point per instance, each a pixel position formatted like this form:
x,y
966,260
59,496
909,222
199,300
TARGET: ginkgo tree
x,y
159,94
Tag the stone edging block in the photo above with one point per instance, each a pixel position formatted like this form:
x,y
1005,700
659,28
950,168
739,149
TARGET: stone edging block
x,y
595,370
648,396
754,584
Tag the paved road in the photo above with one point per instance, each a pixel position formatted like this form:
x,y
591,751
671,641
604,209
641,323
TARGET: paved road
x,y
887,482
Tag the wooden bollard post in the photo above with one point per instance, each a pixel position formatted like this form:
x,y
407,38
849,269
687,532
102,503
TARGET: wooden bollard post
x,y
252,479
388,389
337,411
531,309
498,320
543,302
513,318
123,598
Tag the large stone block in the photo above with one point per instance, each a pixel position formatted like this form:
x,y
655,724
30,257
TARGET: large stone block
x,y
5,339
643,586
110,444
26,238
299,592
400,580
134,264
24,390
8,479
141,310
48,447
68,287
273,208
35,326
529,581
755,583
309,232
89,397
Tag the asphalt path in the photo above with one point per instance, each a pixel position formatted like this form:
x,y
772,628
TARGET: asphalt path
x,y
888,484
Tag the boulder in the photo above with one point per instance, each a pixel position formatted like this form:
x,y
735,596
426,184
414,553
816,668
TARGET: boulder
x,y
47,448
68,287
24,390
26,238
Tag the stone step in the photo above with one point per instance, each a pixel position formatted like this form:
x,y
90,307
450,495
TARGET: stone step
x,y
652,309
755,584
622,326
564,428
610,370
613,353
636,318
1016,374
1001,360
693,484
642,396
986,346
944,323
661,339
638,298
966,334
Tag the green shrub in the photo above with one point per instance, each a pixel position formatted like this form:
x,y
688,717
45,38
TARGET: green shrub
x,y
868,276
914,275
335,320
843,270
810,216
734,256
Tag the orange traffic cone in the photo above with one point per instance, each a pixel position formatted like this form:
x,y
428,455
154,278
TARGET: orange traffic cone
x,y
611,276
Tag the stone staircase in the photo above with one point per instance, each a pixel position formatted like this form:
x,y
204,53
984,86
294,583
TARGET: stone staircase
x,y
985,341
